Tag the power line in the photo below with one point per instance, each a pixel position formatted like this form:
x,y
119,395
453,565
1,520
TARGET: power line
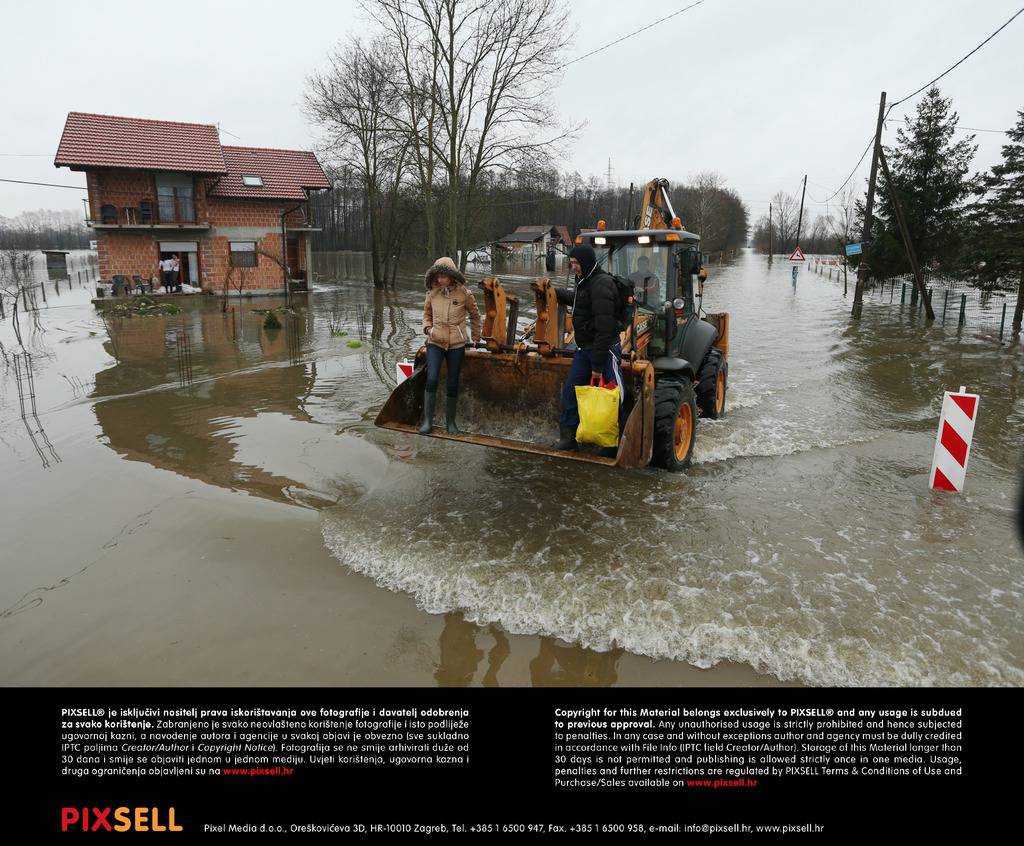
x,y
922,88
832,196
957,64
630,35
47,184
908,121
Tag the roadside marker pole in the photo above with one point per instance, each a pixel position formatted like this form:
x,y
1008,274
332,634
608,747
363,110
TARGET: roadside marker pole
x,y
953,440
963,309
1002,323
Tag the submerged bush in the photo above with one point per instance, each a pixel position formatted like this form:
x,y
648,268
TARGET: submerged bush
x,y
354,344
271,321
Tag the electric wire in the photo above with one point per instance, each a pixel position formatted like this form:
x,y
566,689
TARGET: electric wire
x,y
952,67
629,35
960,62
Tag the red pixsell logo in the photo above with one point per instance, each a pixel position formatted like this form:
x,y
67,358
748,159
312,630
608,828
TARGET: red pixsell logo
x,y
118,819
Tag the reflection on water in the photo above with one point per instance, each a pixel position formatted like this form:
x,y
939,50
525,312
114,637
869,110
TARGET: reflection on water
x,y
22,365
463,650
804,541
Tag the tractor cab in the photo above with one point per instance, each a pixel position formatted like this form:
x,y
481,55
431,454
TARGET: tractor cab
x,y
663,266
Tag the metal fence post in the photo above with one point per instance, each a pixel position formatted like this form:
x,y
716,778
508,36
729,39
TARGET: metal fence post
x,y
945,301
1002,322
963,309
903,294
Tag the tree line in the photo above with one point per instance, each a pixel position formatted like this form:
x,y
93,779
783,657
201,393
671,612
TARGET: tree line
x,y
439,135
61,229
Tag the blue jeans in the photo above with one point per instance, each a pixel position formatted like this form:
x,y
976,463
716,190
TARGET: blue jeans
x,y
579,374
436,355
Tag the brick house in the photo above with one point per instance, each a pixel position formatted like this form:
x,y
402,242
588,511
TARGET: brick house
x,y
236,216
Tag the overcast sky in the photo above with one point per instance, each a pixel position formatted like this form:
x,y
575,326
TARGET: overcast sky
x,y
762,92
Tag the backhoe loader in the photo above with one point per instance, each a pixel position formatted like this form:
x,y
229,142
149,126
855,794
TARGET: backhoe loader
x,y
674,360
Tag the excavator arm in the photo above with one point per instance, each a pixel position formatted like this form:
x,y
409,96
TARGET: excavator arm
x,y
656,212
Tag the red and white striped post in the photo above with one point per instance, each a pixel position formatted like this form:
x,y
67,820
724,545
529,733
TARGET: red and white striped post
x,y
953,441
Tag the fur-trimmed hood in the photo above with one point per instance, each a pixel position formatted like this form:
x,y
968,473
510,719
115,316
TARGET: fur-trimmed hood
x,y
443,265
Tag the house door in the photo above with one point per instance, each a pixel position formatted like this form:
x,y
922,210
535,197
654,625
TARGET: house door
x,y
293,258
187,253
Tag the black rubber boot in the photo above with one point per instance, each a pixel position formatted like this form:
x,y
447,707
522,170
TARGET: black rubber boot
x,y
567,441
449,415
429,401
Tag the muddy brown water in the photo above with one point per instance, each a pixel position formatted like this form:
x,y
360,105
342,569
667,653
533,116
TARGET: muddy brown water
x,y
197,500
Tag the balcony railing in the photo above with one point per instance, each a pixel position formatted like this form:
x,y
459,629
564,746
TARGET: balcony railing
x,y
169,211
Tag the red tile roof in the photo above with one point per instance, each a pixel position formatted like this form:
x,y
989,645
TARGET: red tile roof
x,y
108,141
285,173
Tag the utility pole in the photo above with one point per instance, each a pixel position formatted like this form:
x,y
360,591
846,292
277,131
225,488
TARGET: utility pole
x,y
862,267
911,255
769,233
800,219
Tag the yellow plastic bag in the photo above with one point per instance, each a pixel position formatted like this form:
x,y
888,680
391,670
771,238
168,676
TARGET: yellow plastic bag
x,y
599,414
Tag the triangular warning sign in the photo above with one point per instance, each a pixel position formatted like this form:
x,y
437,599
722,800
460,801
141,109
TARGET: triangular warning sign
x,y
798,255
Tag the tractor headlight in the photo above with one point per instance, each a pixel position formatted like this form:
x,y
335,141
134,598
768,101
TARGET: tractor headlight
x,y
600,241
679,303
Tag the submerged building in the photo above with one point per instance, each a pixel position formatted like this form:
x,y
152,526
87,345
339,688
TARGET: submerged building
x,y
237,218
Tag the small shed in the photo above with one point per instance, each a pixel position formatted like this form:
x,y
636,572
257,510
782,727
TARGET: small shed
x,y
56,260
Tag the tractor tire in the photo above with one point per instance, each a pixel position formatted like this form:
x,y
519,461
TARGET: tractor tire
x,y
713,380
675,424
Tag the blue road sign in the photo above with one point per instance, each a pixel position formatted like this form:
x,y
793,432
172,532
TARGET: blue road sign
x,y
853,249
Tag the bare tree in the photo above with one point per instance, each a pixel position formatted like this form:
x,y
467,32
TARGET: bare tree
x,y
478,93
419,59
17,291
355,101
784,219
706,217
844,221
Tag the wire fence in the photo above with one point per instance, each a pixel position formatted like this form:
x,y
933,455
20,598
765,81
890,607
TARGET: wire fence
x,y
955,301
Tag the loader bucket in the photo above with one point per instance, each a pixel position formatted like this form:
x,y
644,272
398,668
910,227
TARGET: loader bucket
x,y
512,401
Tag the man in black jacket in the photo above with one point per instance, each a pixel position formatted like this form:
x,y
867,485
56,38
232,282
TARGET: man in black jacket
x,y
593,301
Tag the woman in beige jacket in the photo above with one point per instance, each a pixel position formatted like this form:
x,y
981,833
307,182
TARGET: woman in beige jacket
x,y
447,305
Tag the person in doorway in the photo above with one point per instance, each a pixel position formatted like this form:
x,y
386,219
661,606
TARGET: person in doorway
x,y
165,274
175,279
596,331
447,305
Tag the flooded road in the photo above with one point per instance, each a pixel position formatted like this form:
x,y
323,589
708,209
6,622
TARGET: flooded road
x,y
199,500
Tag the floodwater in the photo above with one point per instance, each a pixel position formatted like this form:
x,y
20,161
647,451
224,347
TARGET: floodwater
x,y
197,500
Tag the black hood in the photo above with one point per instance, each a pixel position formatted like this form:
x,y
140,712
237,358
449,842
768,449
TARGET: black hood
x,y
585,255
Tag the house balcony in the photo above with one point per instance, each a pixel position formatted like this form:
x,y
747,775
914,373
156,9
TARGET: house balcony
x,y
176,214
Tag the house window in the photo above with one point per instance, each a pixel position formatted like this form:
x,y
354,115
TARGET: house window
x,y
243,253
252,181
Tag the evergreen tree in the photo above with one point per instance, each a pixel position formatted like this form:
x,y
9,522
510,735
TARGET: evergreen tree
x,y
998,222
930,171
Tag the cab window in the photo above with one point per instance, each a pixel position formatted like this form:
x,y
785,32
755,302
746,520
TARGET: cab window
x,y
647,267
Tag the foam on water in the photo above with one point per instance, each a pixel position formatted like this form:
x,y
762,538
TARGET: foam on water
x,y
837,610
